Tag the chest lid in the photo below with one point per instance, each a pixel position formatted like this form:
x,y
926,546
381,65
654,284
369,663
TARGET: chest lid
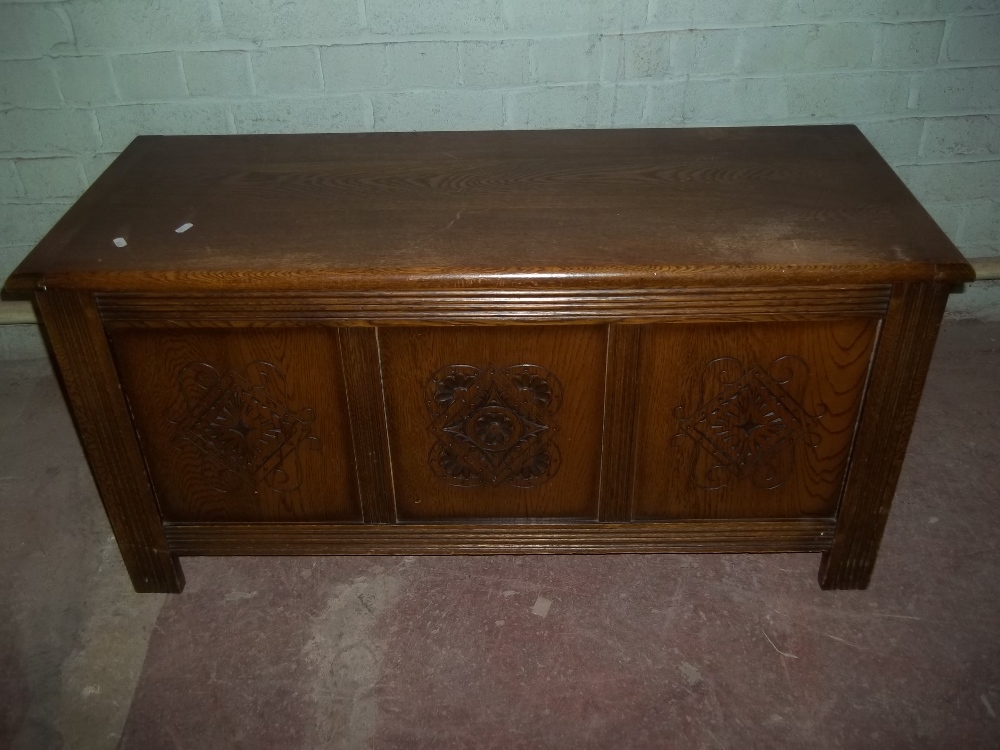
x,y
504,210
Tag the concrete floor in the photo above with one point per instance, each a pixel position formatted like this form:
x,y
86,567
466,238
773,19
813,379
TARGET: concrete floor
x,y
632,651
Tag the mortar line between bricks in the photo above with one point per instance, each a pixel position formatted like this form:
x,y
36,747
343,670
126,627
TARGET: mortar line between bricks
x,y
58,83
806,120
63,201
67,19
949,163
913,92
82,173
19,182
375,38
322,73
362,14
945,35
419,90
370,36
97,127
923,138
504,14
114,79
253,79
763,75
527,88
183,49
971,202
857,119
216,11
180,67
963,219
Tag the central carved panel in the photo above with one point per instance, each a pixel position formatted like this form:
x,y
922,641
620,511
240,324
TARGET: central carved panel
x,y
493,426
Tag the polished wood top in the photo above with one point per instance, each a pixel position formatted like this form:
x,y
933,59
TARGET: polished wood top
x,y
515,209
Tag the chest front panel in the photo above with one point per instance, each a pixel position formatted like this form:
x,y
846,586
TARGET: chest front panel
x,y
499,423
495,422
748,420
242,424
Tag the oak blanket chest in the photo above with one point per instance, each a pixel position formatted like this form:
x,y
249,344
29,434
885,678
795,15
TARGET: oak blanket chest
x,y
567,341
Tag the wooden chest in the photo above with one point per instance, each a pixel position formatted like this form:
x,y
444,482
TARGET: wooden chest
x,y
581,341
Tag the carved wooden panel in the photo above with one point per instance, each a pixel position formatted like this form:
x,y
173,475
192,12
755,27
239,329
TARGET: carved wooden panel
x,y
242,425
494,426
498,422
748,421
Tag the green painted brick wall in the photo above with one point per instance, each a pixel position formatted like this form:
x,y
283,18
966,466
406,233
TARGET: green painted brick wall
x,y
79,79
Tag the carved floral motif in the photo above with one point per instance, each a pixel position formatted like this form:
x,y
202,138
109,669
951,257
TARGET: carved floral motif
x,y
493,426
747,423
242,423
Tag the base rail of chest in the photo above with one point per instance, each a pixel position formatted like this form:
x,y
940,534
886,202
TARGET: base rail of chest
x,y
784,535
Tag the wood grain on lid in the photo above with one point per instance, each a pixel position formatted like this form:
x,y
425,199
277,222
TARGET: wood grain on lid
x,y
515,210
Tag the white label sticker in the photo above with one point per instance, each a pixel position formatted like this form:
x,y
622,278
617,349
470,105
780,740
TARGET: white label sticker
x,y
119,242
183,228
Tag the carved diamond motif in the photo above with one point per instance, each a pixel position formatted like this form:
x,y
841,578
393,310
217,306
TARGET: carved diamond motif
x,y
242,423
493,426
745,421
747,429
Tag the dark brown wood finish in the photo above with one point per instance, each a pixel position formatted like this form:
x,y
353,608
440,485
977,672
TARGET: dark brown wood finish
x,y
799,535
88,376
901,361
620,400
359,349
557,209
490,423
536,342
242,426
527,306
748,420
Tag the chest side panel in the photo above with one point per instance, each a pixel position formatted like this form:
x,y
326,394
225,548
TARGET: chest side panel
x,y
241,424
